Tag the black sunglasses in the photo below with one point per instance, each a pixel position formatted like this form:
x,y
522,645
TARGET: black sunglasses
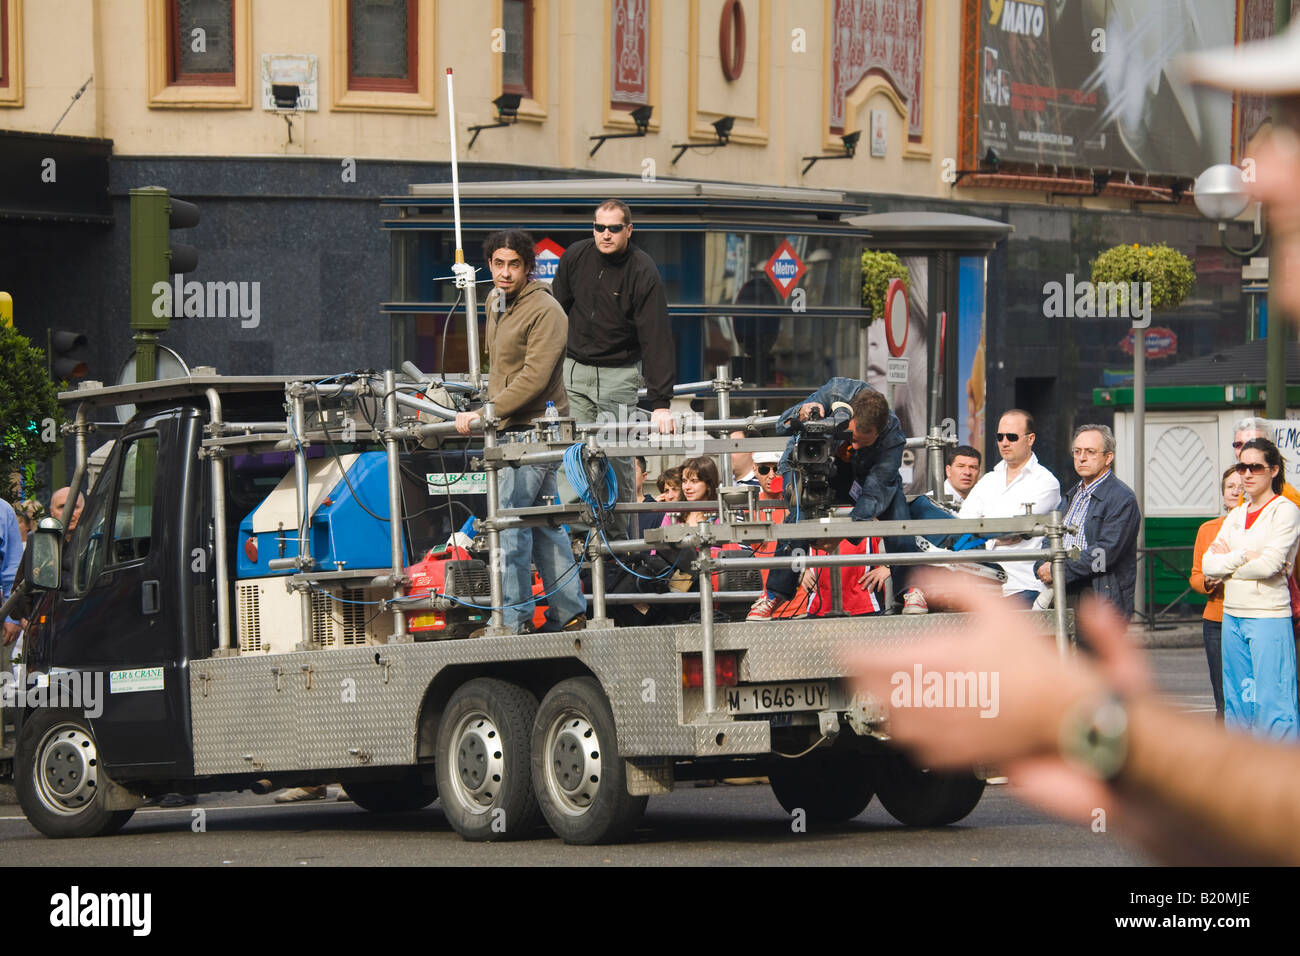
x,y
764,469
1254,467
615,229
1009,436
1237,445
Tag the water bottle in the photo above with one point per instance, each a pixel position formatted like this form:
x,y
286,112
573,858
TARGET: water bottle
x,y
552,418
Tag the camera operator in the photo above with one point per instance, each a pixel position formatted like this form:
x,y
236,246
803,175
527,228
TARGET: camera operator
x,y
846,450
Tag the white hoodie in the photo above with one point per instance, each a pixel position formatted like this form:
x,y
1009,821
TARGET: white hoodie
x,y
1256,588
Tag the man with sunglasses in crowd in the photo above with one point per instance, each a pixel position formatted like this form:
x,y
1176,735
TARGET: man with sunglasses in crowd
x,y
1016,481
618,329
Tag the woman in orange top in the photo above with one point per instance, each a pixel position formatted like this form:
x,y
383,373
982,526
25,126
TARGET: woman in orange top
x,y
1232,485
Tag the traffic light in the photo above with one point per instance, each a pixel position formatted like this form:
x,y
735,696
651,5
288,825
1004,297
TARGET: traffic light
x,y
65,365
154,257
6,310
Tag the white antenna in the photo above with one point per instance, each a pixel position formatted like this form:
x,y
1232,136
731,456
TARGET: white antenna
x,y
463,271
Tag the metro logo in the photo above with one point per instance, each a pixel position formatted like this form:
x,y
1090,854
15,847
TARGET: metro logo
x,y
548,259
785,269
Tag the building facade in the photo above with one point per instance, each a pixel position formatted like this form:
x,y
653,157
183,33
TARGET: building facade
x,y
289,122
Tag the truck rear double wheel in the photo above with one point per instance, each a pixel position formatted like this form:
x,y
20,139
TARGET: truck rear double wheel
x,y
408,792
579,777
482,761
925,798
57,776
829,786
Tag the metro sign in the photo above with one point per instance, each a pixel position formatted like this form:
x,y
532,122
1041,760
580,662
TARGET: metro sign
x,y
548,259
785,269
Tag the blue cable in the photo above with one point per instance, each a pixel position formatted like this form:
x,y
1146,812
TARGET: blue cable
x,y
577,475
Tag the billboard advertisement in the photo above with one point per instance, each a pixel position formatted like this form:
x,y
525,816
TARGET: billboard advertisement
x,y
1088,84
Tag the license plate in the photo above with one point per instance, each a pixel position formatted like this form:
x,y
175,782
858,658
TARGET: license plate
x,y
779,698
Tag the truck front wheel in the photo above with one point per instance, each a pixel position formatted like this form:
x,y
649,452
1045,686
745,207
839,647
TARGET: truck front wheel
x,y
482,761
57,776
925,798
579,777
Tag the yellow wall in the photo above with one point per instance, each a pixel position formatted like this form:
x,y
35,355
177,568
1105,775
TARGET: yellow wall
x,y
779,101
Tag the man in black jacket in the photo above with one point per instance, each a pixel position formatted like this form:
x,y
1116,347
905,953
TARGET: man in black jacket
x,y
1105,511
618,329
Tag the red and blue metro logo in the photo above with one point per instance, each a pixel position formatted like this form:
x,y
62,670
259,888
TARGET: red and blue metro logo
x,y
785,269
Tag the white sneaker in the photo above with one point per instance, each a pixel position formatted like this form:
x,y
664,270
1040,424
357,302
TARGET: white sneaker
x,y
914,602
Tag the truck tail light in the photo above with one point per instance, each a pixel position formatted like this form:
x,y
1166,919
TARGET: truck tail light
x,y
726,668
250,548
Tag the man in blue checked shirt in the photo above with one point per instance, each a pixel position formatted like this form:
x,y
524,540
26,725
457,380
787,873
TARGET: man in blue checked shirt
x,y
1105,512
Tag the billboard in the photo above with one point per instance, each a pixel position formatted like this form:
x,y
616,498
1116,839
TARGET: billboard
x,y
1087,84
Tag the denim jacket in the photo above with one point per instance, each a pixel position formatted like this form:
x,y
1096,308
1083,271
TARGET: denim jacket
x,y
875,467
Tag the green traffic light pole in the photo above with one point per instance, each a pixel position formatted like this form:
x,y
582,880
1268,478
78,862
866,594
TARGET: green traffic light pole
x,y
154,257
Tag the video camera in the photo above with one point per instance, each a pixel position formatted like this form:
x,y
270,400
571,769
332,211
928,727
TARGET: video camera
x,y
813,460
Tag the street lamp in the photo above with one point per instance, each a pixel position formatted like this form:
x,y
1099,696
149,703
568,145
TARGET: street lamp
x,y
1220,194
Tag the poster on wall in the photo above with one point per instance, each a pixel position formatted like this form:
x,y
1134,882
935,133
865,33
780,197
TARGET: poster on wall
x,y
970,352
1089,84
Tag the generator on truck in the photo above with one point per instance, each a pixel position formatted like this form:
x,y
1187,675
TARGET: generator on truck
x,y
261,583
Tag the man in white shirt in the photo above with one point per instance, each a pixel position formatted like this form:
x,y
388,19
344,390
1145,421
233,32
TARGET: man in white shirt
x,y
1016,481
961,472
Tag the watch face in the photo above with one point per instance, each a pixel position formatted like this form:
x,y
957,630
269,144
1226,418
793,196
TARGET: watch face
x,y
1094,736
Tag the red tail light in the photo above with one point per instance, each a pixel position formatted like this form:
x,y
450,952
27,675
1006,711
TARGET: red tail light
x,y
726,667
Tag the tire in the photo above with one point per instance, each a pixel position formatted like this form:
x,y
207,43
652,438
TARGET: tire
x,y
409,792
925,798
56,776
482,761
830,786
579,777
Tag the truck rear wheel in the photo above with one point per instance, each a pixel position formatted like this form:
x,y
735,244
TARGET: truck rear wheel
x,y
482,761
925,798
579,777
830,786
409,792
57,775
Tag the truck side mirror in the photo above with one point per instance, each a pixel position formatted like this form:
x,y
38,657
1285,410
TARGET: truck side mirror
x,y
44,569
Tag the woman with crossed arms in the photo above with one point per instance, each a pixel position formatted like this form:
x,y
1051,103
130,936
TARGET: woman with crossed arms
x,y
1253,554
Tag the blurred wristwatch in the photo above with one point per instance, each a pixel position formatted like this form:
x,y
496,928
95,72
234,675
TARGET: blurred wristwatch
x,y
1094,735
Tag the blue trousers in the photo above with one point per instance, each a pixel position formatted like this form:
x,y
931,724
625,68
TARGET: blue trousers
x,y
1259,676
548,548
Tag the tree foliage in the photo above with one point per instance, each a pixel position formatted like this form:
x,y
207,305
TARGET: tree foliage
x,y
1168,270
878,268
29,408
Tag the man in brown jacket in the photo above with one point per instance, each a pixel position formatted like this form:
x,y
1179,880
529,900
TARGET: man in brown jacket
x,y
526,335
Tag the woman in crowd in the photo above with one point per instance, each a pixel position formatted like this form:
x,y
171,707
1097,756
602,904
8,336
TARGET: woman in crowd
x,y
700,484
1231,486
1253,554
